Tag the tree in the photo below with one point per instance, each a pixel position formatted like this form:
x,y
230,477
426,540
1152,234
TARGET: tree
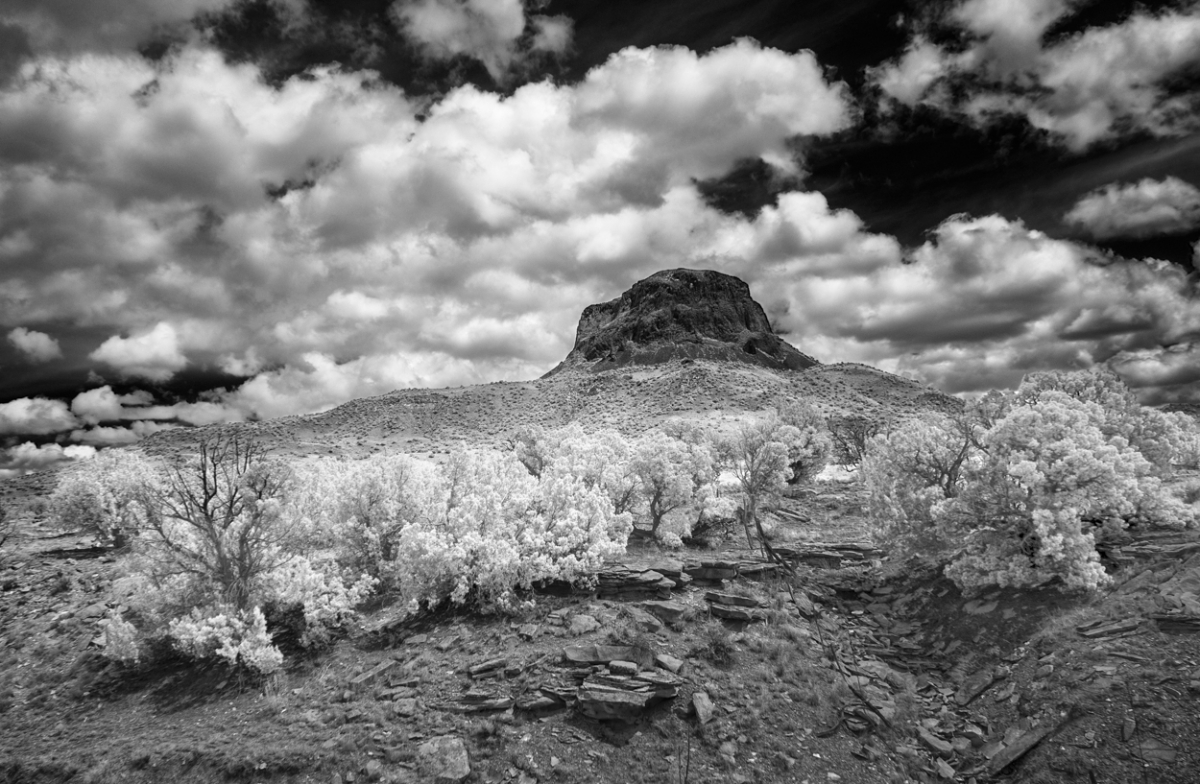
x,y
217,519
217,556
809,448
759,457
851,435
671,474
107,495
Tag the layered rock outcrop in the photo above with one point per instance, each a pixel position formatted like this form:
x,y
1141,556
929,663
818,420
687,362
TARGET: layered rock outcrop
x,y
680,314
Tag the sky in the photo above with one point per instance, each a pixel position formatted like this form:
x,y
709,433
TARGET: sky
x,y
228,210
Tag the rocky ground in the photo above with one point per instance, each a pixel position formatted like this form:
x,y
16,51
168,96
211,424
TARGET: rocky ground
x,y
699,666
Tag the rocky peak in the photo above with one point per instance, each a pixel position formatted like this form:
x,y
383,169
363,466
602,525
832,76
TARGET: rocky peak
x,y
681,314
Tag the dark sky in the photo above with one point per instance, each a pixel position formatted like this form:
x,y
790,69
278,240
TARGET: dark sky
x,y
214,210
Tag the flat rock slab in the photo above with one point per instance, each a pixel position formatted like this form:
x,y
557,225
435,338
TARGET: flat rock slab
x,y
665,611
1091,631
603,654
734,600
713,571
935,744
1021,745
608,704
668,662
737,613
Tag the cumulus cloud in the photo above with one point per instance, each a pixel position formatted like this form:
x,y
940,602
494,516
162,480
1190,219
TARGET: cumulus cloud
x,y
1091,86
27,457
35,416
487,30
1147,208
1172,374
985,301
153,355
102,404
36,346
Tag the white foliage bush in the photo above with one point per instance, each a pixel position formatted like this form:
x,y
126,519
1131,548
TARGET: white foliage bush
x,y
239,637
357,509
496,529
106,495
1015,492
120,639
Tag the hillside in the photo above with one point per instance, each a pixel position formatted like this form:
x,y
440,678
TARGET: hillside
x,y
630,400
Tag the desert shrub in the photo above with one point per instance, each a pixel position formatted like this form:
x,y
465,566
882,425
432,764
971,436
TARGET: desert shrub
x,y
810,447
1161,437
714,644
107,495
357,509
120,639
1015,493
1020,517
493,529
216,548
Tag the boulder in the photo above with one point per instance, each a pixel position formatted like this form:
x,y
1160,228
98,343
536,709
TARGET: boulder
x,y
583,624
444,760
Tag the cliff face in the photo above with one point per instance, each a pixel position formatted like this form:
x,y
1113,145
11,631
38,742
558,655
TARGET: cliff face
x,y
676,314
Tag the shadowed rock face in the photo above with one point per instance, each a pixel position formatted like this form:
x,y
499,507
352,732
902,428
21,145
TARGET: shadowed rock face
x,y
680,314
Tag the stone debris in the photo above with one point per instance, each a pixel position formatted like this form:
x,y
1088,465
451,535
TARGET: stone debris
x,y
480,701
703,706
975,685
488,669
616,695
941,748
620,581
370,676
